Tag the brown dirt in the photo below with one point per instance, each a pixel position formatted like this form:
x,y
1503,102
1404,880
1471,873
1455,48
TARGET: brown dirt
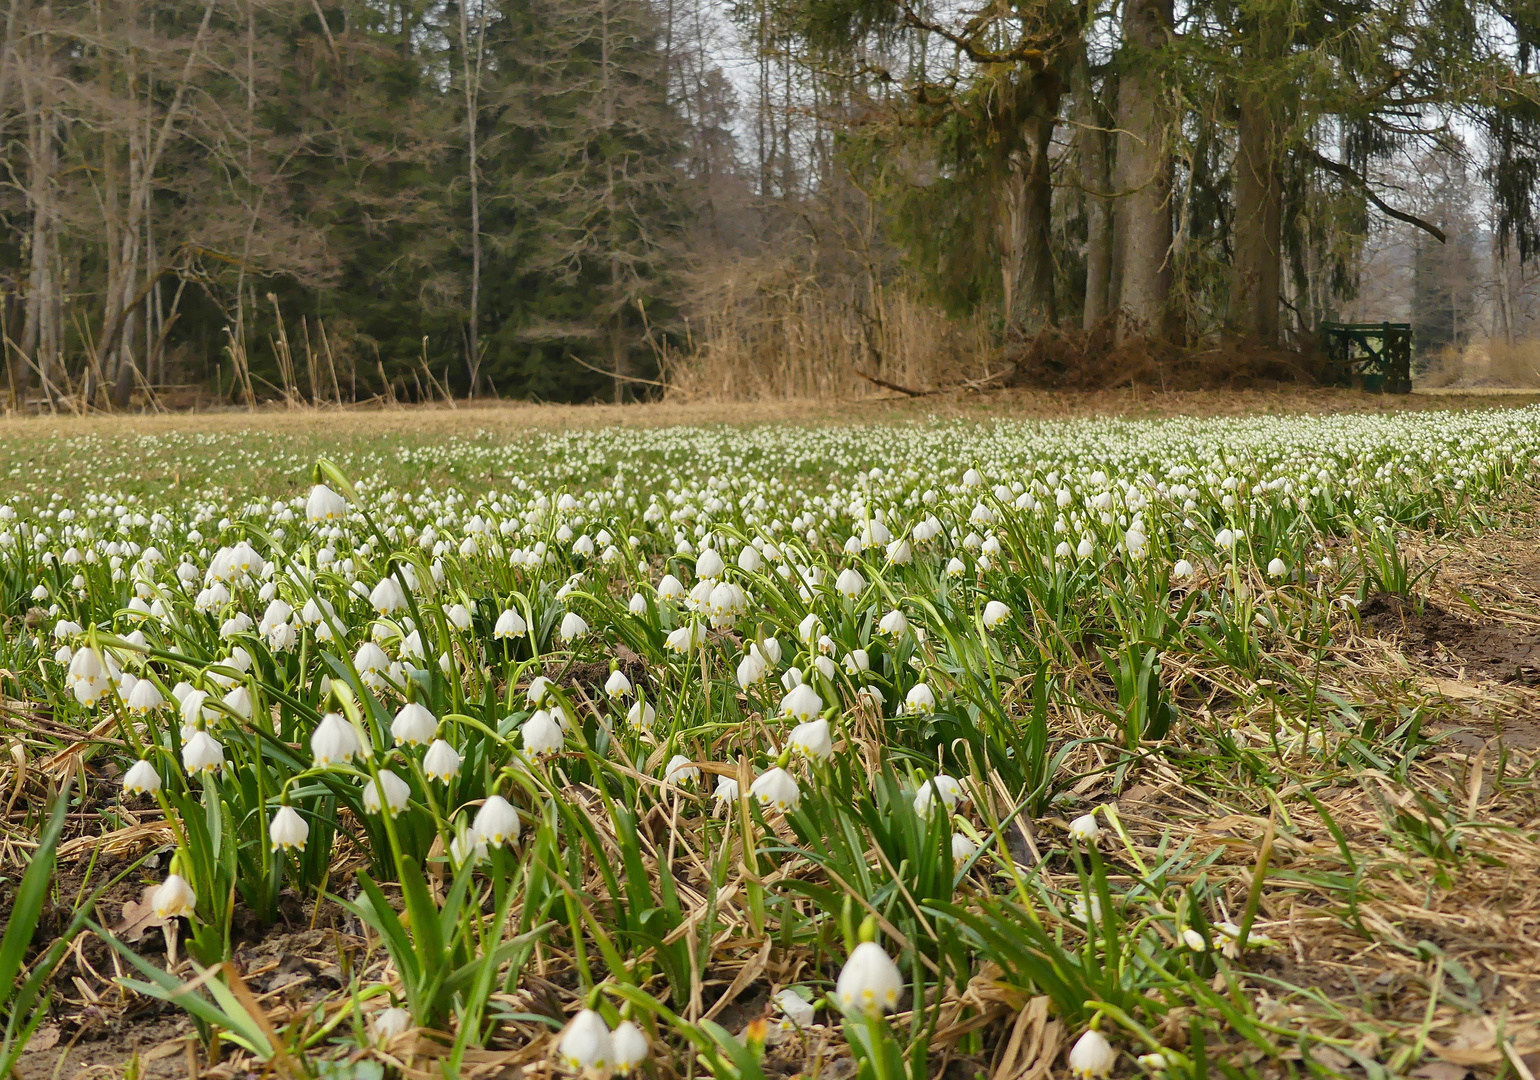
x,y
1487,648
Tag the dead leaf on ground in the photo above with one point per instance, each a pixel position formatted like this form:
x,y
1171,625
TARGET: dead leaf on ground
x,y
1440,1070
46,1039
139,916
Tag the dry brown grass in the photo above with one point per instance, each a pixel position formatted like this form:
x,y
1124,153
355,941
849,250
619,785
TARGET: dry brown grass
x,y
1485,364
500,417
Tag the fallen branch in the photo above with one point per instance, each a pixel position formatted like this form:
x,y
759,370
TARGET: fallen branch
x,y
893,386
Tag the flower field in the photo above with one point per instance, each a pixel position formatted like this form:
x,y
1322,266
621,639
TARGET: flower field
x,y
1018,750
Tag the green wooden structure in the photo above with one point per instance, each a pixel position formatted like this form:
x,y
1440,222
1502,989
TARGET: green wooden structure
x,y
1376,357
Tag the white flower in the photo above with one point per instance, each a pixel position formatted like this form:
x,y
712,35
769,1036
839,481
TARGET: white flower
x,y
857,661
387,597
1277,568
810,628
396,793
686,638
802,703
459,617
795,1008
750,560
441,762
325,504
681,770
288,830
850,583
144,698
142,779
334,741
1086,548
869,982
539,687
1224,538
963,847
585,1045
727,790
414,725
812,740
641,715
497,821
895,624
467,844
617,685
371,659
955,567
510,624
202,753
1092,1056
627,1042
920,701
776,788
1194,940
670,588
708,565
541,734
995,613
1080,910
1085,829
174,899
941,786
751,670
390,1023
1182,569
770,649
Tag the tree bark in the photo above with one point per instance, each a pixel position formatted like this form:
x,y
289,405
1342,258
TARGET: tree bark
x,y
1253,305
1142,216
1095,185
1027,269
472,77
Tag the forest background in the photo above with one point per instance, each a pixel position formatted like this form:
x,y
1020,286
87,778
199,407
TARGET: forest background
x,y
208,201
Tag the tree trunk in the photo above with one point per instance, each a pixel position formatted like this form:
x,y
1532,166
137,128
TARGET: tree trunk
x,y
1143,213
472,77
1253,306
1095,183
1027,268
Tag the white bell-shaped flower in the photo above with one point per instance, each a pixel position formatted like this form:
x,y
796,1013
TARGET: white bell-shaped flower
x,y
510,624
324,504
441,762
776,789
617,685
802,703
573,626
203,754
541,734
641,715
387,597
630,1047
288,830
585,1045
681,770
812,740
414,725
334,741
141,779
1092,1056
497,822
396,791
869,982
920,701
174,898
